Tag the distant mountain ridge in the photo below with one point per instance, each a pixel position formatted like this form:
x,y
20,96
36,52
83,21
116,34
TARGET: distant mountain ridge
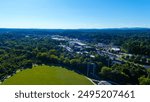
x,y
75,30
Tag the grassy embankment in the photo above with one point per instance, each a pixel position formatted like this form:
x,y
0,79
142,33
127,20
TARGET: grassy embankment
x,y
47,75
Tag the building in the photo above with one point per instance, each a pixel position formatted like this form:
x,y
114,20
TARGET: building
x,y
115,49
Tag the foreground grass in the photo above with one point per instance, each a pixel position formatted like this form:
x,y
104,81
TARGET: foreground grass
x,y
47,75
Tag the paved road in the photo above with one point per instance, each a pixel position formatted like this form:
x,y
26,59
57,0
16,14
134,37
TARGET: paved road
x,y
97,82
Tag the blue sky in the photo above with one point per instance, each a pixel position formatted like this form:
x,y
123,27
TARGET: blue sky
x,y
74,13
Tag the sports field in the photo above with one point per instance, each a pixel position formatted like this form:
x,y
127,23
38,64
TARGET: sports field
x,y
47,75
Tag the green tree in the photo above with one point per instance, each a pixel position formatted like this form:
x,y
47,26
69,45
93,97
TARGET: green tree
x,y
144,81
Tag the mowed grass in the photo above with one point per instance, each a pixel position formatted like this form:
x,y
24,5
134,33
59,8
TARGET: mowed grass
x,y
47,75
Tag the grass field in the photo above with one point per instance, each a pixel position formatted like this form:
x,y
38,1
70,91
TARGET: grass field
x,y
47,75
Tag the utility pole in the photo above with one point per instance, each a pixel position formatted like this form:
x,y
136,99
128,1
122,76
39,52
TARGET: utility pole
x,y
108,62
87,69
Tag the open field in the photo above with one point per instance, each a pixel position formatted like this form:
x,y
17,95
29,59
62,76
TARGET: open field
x,y
47,75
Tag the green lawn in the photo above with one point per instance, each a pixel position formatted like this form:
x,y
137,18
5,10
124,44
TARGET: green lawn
x,y
47,75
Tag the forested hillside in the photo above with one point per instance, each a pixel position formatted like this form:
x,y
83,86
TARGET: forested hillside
x,y
21,49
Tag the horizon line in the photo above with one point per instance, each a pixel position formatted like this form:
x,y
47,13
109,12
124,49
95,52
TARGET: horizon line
x,y
79,28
